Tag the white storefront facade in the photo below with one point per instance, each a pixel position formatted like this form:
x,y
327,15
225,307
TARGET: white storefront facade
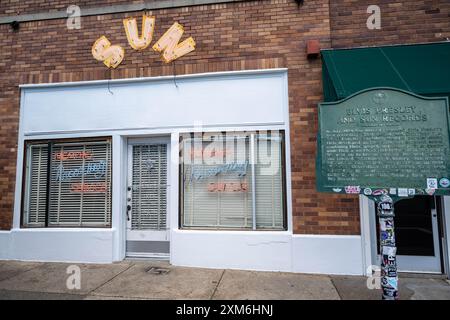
x,y
131,115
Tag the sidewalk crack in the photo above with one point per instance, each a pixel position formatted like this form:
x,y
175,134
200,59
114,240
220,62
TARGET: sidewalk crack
x,y
335,288
109,280
217,286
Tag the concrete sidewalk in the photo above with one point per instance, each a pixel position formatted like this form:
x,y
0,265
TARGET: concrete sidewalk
x,y
159,280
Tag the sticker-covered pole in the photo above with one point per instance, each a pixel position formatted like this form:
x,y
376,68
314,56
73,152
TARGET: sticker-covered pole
x,y
388,249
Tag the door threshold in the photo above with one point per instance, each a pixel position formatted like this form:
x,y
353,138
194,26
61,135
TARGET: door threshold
x,y
147,256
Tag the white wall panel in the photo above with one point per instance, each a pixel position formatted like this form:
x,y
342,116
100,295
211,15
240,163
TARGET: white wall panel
x,y
327,254
5,243
221,99
250,250
67,245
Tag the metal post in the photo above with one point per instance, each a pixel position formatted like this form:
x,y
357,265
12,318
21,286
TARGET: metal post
x,y
388,249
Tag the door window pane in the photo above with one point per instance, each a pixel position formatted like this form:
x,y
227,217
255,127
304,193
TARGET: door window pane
x,y
149,187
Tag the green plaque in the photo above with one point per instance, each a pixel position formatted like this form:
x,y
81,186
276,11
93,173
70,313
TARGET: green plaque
x,y
384,141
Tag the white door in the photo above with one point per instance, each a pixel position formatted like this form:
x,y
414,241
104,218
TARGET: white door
x,y
417,235
147,192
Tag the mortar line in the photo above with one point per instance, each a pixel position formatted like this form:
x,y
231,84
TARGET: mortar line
x,y
109,280
217,286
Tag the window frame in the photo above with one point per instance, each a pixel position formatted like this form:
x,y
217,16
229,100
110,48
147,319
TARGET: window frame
x,y
282,134
29,142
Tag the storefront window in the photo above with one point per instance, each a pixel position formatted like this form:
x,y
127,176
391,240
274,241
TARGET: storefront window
x,y
75,192
233,180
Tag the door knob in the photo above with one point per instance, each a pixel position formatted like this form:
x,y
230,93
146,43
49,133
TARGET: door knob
x,y
128,207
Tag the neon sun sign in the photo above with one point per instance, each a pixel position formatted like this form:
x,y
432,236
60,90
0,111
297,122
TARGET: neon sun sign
x,y
168,45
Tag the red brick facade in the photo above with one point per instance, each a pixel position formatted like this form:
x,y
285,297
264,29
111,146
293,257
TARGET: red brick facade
x,y
402,22
232,36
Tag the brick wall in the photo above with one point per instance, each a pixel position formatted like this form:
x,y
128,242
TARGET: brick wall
x,y
233,36
402,22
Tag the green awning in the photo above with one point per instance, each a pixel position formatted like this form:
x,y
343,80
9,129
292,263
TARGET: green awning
x,y
422,69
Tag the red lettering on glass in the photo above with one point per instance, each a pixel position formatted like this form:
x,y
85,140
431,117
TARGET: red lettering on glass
x,y
88,187
228,187
71,155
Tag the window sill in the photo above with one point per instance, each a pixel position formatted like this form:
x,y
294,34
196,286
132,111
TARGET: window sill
x,y
233,232
65,229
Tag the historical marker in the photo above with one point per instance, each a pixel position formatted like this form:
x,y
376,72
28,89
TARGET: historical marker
x,y
387,144
384,139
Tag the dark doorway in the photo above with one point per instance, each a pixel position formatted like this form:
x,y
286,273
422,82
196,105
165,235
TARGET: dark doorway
x,y
416,230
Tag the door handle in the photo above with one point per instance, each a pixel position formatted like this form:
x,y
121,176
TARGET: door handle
x,y
128,210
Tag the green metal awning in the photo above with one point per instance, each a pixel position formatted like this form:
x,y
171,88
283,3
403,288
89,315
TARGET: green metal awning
x,y
422,69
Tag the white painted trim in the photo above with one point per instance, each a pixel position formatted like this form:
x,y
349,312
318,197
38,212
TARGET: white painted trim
x,y
287,150
118,199
202,76
446,225
233,232
59,230
148,235
366,230
174,194
19,166
129,132
159,139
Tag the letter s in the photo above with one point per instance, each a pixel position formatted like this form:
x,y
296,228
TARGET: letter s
x,y
112,56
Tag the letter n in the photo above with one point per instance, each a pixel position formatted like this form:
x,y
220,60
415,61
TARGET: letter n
x,y
139,42
102,50
169,46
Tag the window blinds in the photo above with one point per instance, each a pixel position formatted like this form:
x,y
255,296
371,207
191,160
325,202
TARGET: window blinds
x,y
80,185
218,184
36,185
